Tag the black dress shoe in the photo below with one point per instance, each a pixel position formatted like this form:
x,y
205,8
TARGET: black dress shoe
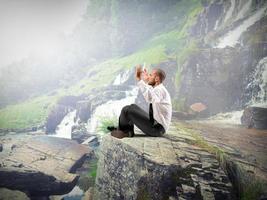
x,y
131,133
112,128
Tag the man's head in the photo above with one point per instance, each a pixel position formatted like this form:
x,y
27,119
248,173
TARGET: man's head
x,y
156,77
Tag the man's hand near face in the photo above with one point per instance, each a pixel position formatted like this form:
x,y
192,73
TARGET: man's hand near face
x,y
145,76
138,72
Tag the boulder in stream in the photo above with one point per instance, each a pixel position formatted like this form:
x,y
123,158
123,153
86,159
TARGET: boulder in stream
x,y
255,117
83,110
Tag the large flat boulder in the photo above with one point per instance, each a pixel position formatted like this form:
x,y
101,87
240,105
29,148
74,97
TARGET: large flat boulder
x,y
40,165
159,168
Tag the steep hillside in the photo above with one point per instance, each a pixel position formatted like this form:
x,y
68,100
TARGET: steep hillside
x,y
161,44
217,50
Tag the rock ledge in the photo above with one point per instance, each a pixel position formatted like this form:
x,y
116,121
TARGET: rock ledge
x,y
159,168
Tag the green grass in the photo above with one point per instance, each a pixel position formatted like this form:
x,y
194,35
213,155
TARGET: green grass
x,y
106,72
104,122
93,169
27,114
247,185
173,44
33,112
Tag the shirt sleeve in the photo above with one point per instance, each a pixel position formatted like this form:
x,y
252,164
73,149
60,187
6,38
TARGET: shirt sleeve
x,y
150,94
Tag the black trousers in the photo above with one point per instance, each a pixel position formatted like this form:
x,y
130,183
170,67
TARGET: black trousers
x,y
134,115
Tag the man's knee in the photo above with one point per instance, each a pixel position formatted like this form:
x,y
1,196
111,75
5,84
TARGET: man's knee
x,y
133,106
125,109
128,109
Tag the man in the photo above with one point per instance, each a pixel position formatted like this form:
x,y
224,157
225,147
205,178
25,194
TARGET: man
x,y
157,121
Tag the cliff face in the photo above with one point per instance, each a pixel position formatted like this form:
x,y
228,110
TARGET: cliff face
x,y
219,73
159,168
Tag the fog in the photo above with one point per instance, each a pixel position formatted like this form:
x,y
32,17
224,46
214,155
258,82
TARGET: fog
x,y
36,27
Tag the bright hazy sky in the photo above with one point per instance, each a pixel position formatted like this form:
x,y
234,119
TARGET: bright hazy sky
x,y
34,27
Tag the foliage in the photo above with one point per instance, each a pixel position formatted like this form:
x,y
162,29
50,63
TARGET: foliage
x,y
93,169
104,122
169,43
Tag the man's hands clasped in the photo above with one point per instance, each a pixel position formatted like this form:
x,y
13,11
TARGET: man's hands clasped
x,y
141,74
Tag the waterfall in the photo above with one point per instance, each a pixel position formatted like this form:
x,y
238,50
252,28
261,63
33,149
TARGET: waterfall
x,y
230,11
227,118
245,8
260,81
64,128
232,37
258,99
111,109
122,78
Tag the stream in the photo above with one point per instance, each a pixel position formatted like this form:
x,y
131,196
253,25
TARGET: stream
x,y
109,109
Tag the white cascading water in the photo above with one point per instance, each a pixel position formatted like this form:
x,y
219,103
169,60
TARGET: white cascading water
x,y
63,130
108,109
227,118
244,10
260,99
232,37
230,11
111,109
121,78
260,79
260,76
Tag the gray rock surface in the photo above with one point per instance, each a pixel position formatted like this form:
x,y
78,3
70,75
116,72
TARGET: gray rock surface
x,y
255,117
55,117
83,110
40,165
6,194
159,168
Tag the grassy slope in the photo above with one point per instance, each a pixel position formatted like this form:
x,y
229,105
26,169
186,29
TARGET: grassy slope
x,y
174,44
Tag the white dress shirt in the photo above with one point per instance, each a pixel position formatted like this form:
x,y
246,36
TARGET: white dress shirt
x,y
161,102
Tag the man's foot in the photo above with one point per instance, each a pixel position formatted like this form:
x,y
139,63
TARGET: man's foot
x,y
112,128
119,134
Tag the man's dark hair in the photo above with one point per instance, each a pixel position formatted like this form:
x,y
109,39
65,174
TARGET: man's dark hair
x,y
161,74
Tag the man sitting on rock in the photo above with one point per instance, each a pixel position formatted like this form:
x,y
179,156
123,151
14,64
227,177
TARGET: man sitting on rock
x,y
157,121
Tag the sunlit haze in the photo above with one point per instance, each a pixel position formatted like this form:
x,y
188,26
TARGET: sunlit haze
x,y
36,27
